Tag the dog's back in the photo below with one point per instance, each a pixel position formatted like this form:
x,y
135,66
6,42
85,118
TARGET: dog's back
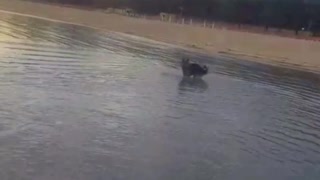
x,y
192,69
198,70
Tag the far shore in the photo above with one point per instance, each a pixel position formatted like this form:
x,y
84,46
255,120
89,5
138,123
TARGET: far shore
x,y
268,49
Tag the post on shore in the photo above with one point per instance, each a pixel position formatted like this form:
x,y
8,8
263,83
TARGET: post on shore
x,y
182,20
212,25
190,21
204,23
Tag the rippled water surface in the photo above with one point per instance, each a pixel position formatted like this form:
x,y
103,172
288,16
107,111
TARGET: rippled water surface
x,y
81,104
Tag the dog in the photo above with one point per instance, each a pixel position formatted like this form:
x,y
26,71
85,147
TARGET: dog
x,y
193,69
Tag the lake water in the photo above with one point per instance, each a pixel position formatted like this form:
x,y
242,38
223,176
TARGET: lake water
x,y
81,104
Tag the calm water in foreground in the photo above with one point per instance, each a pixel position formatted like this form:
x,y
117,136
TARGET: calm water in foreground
x,y
79,104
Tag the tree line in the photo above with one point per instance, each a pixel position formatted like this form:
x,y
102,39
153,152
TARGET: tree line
x,y
289,14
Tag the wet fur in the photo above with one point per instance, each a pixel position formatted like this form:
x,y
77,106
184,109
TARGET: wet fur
x,y
193,69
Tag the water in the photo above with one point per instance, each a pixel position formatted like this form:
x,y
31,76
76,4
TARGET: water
x,y
77,103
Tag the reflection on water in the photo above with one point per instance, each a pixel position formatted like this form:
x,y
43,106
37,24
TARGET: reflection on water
x,y
82,104
192,84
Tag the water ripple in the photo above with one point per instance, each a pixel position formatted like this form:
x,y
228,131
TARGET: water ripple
x,y
112,105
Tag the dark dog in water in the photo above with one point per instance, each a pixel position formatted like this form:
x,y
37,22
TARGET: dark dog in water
x,y
193,69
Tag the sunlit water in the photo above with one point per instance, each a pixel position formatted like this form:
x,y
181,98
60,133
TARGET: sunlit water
x,y
80,104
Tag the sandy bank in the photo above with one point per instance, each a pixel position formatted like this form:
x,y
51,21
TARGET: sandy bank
x,y
256,47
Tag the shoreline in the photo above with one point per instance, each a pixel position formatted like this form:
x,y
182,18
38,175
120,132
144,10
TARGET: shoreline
x,y
266,49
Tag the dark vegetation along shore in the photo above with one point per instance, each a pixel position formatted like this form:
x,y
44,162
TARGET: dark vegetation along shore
x,y
296,15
